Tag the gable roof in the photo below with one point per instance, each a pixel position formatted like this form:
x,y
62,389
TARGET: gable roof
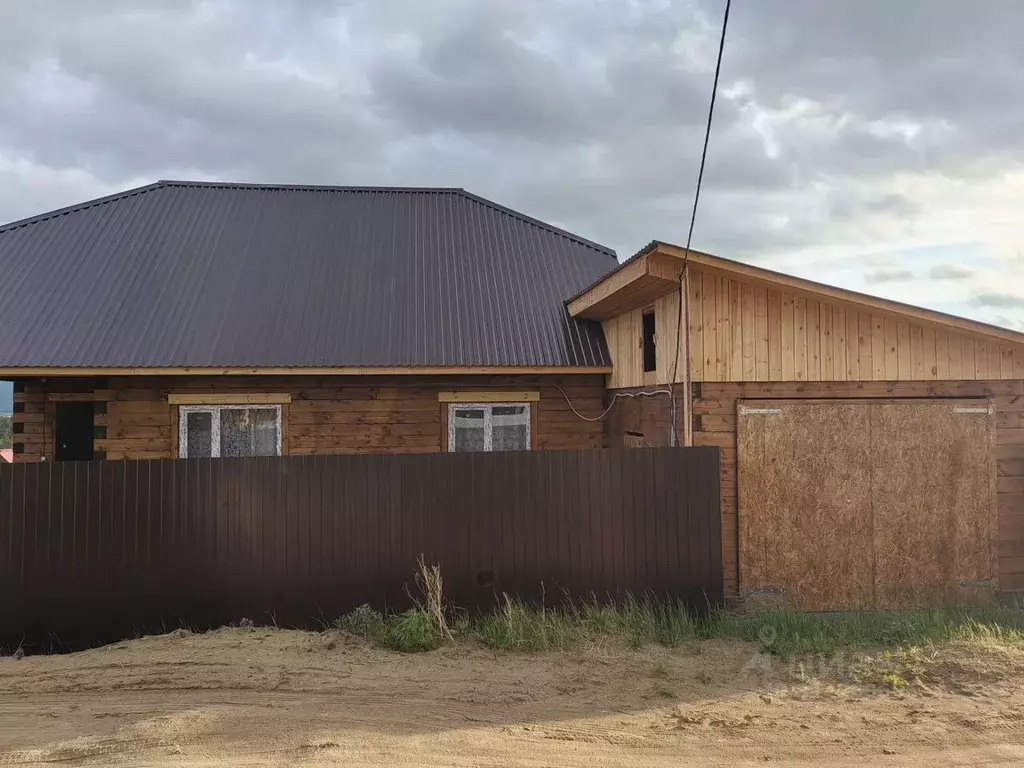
x,y
654,271
210,275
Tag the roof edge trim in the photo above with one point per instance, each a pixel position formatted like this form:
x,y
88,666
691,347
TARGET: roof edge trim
x,y
47,371
81,206
791,282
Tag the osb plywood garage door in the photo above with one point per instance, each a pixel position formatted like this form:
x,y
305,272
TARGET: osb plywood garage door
x,y
846,505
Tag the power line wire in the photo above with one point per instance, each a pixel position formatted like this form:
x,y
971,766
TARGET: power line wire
x,y
693,220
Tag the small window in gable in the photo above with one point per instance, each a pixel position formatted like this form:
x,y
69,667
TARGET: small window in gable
x,y
212,431
489,427
650,358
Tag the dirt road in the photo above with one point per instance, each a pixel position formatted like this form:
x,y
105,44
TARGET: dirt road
x,y
273,697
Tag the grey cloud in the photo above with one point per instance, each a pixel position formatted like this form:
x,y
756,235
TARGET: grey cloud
x,y
950,272
889,276
998,301
589,116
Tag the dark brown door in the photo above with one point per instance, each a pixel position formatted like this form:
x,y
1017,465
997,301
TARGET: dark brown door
x,y
74,431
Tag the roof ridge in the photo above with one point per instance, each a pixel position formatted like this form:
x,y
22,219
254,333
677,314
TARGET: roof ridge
x,y
39,217
538,223
306,187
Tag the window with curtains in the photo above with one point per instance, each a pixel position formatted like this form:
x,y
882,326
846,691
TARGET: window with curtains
x,y
489,427
212,431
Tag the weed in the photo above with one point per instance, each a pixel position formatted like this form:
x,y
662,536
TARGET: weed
x,y
521,627
413,631
659,670
363,622
432,602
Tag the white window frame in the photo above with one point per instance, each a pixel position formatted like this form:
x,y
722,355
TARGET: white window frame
x,y
214,411
488,426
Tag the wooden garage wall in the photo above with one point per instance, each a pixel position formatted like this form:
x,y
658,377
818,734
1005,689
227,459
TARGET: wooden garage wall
x,y
327,415
714,423
742,331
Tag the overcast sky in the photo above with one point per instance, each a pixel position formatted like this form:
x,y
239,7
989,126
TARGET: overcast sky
x,y
872,144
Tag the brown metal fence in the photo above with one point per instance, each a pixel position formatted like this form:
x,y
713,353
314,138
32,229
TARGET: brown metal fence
x,y
95,551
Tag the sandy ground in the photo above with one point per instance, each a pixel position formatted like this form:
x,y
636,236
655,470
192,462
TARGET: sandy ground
x,y
264,697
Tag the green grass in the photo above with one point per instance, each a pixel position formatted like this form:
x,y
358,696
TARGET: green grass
x,y
518,626
408,632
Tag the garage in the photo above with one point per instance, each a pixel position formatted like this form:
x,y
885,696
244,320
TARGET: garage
x,y
867,504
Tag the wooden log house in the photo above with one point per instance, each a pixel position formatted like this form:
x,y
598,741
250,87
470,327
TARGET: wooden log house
x,y
872,452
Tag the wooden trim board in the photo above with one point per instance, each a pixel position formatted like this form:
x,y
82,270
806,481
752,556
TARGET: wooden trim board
x,y
231,398
463,396
33,372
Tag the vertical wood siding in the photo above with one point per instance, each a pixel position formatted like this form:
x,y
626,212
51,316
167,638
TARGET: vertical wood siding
x,y
742,331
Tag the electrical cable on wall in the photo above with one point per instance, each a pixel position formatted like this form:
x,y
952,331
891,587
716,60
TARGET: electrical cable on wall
x,y
682,278
683,294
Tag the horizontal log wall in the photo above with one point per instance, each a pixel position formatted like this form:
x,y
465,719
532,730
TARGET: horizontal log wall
x,y
327,415
714,424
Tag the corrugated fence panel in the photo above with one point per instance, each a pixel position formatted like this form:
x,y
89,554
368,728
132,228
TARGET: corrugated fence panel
x,y
93,552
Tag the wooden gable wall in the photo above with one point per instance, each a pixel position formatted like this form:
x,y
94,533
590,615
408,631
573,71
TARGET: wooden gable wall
x,y
743,331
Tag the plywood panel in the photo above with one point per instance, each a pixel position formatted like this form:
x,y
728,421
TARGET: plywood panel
x,y
803,526
933,499
903,492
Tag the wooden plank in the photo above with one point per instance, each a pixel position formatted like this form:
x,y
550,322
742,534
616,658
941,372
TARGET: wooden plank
x,y
724,335
751,332
839,346
814,341
941,354
853,346
877,348
892,369
918,353
468,396
865,350
969,360
904,358
1006,356
956,349
230,398
981,361
800,338
928,364
788,355
736,320
697,357
774,306
710,314
827,344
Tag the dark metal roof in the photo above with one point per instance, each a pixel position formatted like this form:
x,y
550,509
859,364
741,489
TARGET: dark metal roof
x,y
194,274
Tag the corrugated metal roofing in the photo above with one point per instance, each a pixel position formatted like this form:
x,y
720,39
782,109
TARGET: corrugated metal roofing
x,y
195,274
